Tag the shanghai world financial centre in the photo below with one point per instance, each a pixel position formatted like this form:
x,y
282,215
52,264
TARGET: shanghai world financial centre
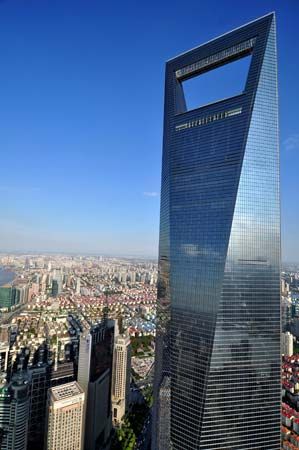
x,y
217,380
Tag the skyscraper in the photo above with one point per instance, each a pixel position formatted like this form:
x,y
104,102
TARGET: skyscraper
x,y
121,374
39,385
4,349
43,376
14,408
94,376
218,313
287,344
9,296
65,417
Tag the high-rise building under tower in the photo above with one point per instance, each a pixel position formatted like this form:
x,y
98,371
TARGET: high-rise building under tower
x,y
65,417
218,312
94,377
121,374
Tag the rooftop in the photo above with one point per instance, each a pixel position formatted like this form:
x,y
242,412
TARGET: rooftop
x,y
66,391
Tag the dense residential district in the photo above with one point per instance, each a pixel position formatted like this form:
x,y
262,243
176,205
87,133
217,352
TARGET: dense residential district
x,y
77,344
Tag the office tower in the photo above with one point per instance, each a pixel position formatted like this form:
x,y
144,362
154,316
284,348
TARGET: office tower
x,y
286,313
285,287
27,263
78,285
57,283
133,277
39,385
218,309
9,296
42,376
5,428
4,349
94,376
65,417
21,291
55,288
14,407
5,333
121,374
287,344
4,356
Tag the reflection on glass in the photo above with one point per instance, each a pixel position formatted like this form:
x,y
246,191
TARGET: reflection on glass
x,y
217,381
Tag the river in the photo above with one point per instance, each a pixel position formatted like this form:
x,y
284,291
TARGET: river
x,y
6,276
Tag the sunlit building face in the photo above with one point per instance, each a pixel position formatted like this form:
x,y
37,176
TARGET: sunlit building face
x,y
217,381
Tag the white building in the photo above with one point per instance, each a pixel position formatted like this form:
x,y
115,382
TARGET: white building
x,y
287,344
78,286
285,287
121,377
65,417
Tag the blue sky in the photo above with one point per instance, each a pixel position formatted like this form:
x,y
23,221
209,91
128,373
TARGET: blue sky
x,y
81,88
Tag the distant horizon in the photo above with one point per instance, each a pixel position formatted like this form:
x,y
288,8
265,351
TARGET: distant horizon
x,y
96,254
70,253
82,118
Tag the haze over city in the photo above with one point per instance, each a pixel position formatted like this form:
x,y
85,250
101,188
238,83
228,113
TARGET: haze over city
x,y
81,86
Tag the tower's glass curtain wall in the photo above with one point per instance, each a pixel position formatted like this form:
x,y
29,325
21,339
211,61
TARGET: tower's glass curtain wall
x,y
217,381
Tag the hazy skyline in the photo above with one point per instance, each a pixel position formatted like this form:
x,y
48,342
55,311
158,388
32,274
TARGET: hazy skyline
x,y
81,118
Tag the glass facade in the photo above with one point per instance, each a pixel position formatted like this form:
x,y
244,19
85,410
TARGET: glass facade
x,y
9,296
218,313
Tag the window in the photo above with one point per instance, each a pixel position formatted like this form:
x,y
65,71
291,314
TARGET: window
x,y
217,84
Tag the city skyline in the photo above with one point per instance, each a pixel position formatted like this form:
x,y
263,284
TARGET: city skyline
x,y
58,329
82,144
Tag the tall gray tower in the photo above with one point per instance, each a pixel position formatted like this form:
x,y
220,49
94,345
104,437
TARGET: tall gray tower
x,y
94,377
218,314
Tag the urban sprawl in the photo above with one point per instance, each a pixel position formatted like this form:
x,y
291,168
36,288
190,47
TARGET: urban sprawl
x,y
74,328
83,324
